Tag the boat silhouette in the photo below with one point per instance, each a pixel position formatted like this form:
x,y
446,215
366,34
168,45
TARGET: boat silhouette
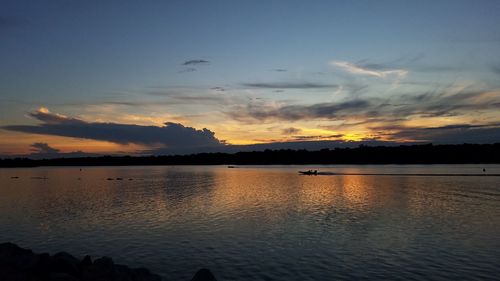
x,y
310,172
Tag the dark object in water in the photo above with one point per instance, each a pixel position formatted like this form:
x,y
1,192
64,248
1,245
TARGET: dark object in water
x,y
231,167
204,275
130,179
109,179
310,172
39,178
484,170
119,179
22,264
16,177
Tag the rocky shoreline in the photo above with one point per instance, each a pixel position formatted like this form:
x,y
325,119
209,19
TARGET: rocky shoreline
x,y
18,264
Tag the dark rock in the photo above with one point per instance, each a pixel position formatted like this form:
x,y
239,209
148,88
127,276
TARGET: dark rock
x,y
204,275
57,276
143,274
104,263
102,269
42,267
86,262
65,263
18,264
123,273
16,257
65,256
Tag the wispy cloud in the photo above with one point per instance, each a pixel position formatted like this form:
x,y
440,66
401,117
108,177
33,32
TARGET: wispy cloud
x,y
298,112
218,89
289,85
439,103
196,62
375,71
456,133
317,137
190,65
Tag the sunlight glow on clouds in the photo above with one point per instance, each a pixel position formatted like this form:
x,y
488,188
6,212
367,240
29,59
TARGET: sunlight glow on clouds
x,y
156,82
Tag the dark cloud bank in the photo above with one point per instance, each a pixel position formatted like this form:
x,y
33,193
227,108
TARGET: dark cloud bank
x,y
173,136
41,150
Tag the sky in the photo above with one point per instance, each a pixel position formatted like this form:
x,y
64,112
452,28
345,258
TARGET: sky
x,y
161,77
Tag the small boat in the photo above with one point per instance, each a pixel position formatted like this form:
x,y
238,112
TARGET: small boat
x,y
231,167
310,172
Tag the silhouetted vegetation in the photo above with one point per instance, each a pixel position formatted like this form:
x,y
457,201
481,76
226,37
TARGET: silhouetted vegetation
x,y
404,154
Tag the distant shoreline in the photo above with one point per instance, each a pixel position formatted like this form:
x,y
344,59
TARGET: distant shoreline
x,y
404,154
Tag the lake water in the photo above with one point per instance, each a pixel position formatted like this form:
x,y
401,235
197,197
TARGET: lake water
x,y
264,223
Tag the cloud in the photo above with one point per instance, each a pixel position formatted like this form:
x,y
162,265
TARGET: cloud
x,y
218,89
376,70
290,131
41,150
450,134
196,62
443,103
298,112
447,102
41,147
43,114
172,135
289,85
317,137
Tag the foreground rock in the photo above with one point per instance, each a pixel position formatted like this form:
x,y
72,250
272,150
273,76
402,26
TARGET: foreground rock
x,y
204,275
18,264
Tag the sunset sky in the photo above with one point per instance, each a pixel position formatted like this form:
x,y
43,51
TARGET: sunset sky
x,y
140,77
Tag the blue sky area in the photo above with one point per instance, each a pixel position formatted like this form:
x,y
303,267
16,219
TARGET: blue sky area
x,y
248,71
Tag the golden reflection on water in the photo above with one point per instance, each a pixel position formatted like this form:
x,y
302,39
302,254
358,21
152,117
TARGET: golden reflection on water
x,y
356,189
279,193
255,218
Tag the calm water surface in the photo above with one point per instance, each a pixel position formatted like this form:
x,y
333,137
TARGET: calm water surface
x,y
264,223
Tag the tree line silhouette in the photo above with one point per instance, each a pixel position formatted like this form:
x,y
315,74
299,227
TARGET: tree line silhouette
x,y
403,154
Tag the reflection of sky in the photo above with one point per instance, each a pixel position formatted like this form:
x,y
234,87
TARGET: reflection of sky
x,y
233,221
123,62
